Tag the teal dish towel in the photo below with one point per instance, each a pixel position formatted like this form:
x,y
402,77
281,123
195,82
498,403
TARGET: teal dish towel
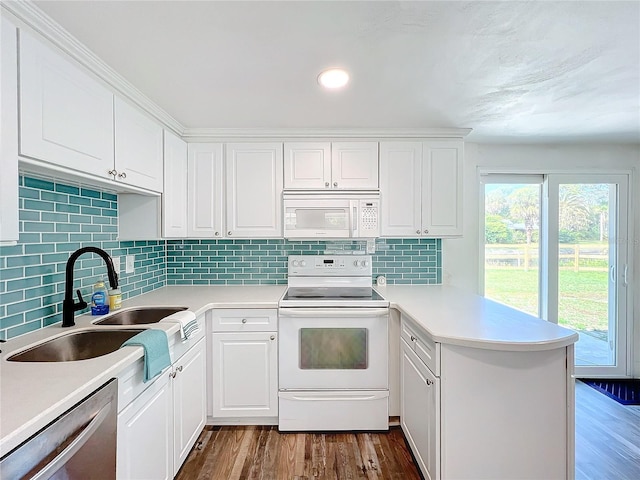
x,y
156,351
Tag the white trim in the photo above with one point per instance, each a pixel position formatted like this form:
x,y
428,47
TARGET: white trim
x,y
30,15
222,134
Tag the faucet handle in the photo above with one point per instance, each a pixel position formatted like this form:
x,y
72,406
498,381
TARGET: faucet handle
x,y
81,303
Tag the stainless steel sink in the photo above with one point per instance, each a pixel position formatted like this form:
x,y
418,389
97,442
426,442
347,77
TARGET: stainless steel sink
x,y
80,345
140,316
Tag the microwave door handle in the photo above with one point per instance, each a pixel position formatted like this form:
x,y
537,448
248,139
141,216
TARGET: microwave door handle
x,y
354,219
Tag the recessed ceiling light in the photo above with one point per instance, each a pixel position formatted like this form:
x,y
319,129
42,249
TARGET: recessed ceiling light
x,y
333,78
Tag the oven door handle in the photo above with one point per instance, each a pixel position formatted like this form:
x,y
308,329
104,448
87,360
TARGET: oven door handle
x,y
342,312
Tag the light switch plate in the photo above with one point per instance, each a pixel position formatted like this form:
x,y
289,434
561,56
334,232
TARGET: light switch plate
x,y
129,263
116,264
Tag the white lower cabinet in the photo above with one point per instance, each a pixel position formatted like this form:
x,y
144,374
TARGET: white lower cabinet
x,y
420,411
245,378
158,428
244,366
189,401
472,412
145,434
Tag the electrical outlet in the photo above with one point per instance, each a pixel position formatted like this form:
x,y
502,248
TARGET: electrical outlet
x,y
116,264
371,246
129,263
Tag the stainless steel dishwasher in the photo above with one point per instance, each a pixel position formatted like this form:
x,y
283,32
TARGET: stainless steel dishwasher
x,y
80,444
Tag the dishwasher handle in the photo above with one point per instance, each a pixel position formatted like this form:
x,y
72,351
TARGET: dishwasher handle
x,y
77,443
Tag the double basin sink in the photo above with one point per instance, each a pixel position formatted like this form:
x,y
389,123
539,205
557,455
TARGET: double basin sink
x,y
85,344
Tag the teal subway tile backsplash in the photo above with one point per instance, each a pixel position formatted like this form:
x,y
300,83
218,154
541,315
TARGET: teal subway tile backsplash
x,y
55,220
251,262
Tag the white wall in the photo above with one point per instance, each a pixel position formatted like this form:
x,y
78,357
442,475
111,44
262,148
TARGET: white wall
x,y
460,256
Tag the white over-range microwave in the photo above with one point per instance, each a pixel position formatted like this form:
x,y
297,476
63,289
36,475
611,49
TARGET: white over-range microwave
x,y
331,216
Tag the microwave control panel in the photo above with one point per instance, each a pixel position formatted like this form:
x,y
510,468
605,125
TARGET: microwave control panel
x,y
369,212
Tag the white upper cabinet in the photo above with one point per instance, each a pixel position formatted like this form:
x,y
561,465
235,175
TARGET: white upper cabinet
x,y
174,196
138,148
9,133
307,165
66,116
205,191
331,166
400,188
442,188
254,177
354,165
421,188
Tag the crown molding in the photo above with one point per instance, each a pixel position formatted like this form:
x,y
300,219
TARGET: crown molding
x,y
30,15
198,134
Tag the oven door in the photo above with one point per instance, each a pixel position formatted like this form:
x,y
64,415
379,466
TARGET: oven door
x,y
333,348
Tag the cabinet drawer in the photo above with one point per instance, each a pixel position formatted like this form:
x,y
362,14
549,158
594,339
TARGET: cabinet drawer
x,y
424,347
245,320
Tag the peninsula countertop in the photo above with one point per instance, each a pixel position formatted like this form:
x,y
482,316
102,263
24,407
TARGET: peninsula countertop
x,y
456,317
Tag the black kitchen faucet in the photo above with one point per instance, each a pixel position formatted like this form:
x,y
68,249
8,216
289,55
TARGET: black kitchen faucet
x,y
69,306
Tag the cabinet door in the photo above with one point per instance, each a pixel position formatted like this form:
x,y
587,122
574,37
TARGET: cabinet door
x,y
145,434
254,190
307,165
244,374
189,401
420,412
442,188
138,153
9,132
66,116
400,197
354,165
205,187
174,196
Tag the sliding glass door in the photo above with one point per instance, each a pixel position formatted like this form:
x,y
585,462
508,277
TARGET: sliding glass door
x,y
555,246
588,263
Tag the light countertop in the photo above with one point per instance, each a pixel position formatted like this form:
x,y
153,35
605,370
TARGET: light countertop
x,y
34,394
452,316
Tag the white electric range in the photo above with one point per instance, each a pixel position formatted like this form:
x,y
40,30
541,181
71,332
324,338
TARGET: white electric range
x,y
333,347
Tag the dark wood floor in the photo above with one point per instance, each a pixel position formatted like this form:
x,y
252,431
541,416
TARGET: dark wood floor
x,y
607,448
263,453
607,437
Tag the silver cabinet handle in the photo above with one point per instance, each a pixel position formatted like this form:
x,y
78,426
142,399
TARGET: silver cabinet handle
x,y
413,339
122,175
429,382
327,184
335,184
62,458
426,231
244,320
113,172
217,234
229,233
179,368
173,374
418,232
272,337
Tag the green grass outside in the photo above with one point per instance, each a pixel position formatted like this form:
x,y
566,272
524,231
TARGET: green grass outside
x,y
582,300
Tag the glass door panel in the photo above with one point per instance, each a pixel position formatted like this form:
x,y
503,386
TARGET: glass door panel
x,y
586,254
512,206
589,232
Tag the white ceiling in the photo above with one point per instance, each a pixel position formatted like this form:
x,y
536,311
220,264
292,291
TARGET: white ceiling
x,y
531,71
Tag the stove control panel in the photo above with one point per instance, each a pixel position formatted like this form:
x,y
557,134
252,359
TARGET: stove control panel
x,y
321,265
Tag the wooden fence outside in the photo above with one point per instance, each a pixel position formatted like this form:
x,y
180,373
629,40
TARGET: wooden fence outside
x,y
594,256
